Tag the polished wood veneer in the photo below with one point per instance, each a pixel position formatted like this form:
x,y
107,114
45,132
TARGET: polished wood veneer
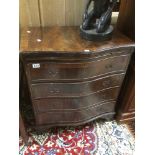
x,y
65,39
43,90
81,70
72,81
77,102
126,107
74,116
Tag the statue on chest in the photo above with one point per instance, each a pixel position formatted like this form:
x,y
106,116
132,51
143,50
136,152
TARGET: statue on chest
x,y
96,21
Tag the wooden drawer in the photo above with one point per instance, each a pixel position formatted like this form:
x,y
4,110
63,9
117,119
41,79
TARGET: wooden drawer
x,y
45,90
49,104
77,71
74,116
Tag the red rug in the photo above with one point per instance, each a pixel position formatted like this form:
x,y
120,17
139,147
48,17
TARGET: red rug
x,y
96,138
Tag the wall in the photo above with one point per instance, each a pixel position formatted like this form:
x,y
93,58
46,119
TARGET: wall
x,y
52,12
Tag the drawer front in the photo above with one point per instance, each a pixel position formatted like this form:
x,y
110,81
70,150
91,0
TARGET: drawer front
x,y
74,116
66,103
45,90
74,71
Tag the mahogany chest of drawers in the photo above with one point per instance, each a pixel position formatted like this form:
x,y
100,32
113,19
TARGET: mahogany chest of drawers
x,y
72,81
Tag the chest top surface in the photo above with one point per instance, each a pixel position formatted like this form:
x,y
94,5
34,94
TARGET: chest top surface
x,y
65,39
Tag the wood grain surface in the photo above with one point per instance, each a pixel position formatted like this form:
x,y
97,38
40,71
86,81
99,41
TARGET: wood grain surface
x,y
51,12
64,87
65,38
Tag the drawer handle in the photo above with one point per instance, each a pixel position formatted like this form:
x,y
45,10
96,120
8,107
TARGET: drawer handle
x,y
53,73
109,66
104,96
106,83
54,91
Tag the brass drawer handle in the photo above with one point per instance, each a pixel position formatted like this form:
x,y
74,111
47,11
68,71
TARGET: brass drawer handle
x,y
104,96
109,66
106,83
53,73
54,91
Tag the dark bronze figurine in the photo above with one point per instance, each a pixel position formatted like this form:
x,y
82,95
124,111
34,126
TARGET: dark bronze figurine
x,y
96,23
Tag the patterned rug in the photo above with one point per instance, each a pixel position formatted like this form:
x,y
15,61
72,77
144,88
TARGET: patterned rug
x,y
96,138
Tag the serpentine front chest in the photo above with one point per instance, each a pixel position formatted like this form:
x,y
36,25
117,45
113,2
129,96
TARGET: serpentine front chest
x,y
72,81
